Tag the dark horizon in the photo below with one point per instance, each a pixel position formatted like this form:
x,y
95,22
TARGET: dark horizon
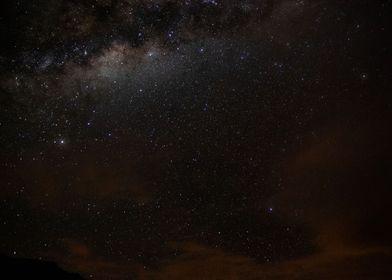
x,y
22,268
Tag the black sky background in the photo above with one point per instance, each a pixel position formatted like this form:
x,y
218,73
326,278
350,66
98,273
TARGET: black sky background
x,y
197,139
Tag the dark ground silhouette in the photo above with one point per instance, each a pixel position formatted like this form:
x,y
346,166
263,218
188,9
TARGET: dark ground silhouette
x,y
13,268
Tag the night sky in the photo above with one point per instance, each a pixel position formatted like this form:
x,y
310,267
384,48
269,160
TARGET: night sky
x,y
198,139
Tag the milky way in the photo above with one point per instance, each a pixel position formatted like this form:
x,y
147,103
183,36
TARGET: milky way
x,y
197,139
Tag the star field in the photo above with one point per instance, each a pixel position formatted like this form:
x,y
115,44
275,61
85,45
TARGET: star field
x,y
197,139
